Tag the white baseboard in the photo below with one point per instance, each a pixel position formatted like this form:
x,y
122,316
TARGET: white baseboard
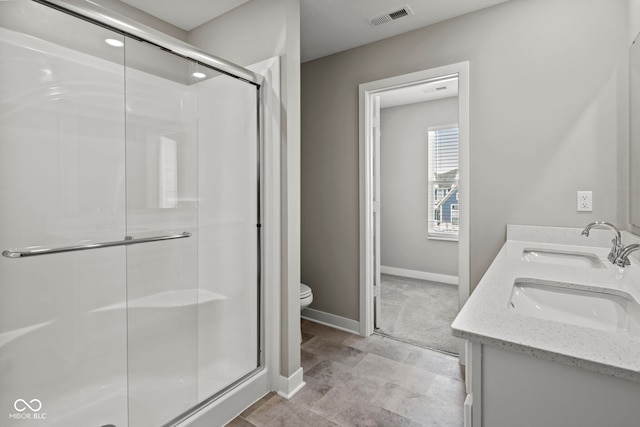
x,y
423,275
288,387
332,320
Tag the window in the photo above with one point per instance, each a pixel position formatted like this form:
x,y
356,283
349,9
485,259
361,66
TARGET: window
x,y
455,215
168,168
444,213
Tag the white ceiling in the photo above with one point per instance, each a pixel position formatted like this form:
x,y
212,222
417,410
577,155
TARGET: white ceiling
x,y
330,26
326,26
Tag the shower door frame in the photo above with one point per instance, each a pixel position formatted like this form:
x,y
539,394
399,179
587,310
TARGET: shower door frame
x,y
263,376
96,14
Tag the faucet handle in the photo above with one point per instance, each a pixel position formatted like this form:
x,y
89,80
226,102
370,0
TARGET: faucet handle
x,y
622,260
614,253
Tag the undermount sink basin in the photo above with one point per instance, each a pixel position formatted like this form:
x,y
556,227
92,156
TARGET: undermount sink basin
x,y
592,309
566,258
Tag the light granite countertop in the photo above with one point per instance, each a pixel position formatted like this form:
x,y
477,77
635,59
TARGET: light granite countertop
x,y
486,317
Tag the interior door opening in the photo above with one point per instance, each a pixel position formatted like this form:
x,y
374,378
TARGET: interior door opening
x,y
414,205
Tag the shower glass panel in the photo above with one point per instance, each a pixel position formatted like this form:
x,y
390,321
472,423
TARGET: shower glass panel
x,y
162,193
192,166
63,356
228,245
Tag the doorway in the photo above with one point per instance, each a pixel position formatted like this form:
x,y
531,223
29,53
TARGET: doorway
x,y
408,220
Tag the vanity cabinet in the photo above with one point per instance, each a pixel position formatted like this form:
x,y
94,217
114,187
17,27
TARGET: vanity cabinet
x,y
570,359
508,389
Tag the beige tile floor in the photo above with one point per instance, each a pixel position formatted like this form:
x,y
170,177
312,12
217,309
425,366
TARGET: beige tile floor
x,y
356,381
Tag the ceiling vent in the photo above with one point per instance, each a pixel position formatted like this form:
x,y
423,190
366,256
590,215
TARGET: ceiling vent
x,y
390,16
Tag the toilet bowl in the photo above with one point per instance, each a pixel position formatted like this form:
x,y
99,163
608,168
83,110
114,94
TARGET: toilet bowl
x,y
306,296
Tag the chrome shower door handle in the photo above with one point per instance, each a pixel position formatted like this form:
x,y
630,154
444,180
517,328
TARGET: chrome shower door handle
x,y
126,242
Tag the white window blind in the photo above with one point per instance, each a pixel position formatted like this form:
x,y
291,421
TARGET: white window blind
x,y
168,168
443,183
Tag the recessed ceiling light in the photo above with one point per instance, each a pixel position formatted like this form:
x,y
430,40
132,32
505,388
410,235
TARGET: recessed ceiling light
x,y
199,75
114,42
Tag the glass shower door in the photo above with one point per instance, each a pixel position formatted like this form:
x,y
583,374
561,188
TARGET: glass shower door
x,y
192,167
162,199
62,168
228,245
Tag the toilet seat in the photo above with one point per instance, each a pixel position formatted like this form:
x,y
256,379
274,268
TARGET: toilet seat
x,y
305,291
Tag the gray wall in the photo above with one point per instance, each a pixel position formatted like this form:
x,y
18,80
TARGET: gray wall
x,y
403,188
546,80
143,18
250,33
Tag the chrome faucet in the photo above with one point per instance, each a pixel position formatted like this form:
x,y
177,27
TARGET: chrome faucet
x,y
614,254
623,257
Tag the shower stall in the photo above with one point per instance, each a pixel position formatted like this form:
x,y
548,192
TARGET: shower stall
x,y
130,282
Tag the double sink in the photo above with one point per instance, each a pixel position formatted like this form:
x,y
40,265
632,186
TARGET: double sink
x,y
604,309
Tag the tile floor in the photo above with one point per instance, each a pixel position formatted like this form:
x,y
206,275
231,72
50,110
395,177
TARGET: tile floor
x,y
356,381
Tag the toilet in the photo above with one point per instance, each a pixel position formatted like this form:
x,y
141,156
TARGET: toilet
x,y
306,296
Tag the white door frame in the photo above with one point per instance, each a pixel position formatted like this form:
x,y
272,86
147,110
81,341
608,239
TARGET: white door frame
x,y
366,92
375,198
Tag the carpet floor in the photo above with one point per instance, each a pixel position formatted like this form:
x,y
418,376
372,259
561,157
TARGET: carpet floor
x,y
419,312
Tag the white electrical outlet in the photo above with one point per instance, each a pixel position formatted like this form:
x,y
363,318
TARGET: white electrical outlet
x,y
585,201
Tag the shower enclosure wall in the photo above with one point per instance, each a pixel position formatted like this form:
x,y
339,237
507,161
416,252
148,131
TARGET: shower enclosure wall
x,y
129,219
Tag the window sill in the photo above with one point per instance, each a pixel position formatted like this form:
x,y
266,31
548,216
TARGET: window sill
x,y
443,236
